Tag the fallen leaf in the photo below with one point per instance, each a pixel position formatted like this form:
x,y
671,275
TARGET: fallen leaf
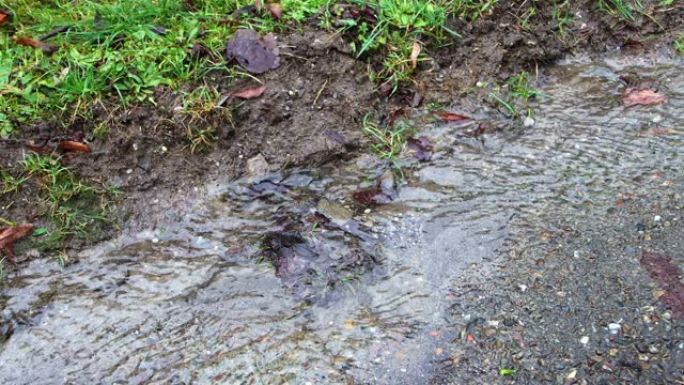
x,y
71,145
29,42
9,235
401,111
38,149
254,53
3,17
276,10
422,148
451,117
250,93
415,51
643,96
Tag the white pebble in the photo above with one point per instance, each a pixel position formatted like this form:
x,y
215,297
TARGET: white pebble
x,y
657,218
584,340
614,328
528,122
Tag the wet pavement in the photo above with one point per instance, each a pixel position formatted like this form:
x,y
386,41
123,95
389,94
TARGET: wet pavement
x,y
516,257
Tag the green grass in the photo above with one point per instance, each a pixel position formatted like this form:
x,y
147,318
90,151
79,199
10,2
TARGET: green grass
x,y
679,45
114,49
74,207
388,142
516,94
623,9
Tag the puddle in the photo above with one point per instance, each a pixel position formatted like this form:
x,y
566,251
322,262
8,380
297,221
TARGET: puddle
x,y
286,281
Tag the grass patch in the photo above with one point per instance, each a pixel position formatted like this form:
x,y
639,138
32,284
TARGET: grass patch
x,y
622,9
388,142
121,49
396,26
74,207
679,45
515,95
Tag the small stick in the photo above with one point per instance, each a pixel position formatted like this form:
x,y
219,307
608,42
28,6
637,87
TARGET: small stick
x,y
318,94
54,32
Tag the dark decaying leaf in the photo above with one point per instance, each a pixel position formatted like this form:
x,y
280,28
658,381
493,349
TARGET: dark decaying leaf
x,y
9,235
451,117
642,96
422,148
383,192
250,93
254,53
666,273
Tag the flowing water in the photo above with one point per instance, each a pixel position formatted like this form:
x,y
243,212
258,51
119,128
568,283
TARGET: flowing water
x,y
281,280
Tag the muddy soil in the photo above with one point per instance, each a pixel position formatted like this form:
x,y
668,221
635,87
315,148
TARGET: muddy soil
x,y
311,111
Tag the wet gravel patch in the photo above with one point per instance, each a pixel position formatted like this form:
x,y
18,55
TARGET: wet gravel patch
x,y
580,302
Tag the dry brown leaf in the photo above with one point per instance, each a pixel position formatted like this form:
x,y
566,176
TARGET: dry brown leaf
x,y
9,235
250,93
3,17
644,97
29,42
74,146
276,10
415,51
451,117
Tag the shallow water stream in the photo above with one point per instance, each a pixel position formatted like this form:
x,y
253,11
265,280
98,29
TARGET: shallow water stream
x,y
354,296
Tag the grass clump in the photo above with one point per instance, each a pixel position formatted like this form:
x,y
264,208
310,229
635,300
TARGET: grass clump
x,y
679,45
397,26
74,207
114,49
515,95
388,142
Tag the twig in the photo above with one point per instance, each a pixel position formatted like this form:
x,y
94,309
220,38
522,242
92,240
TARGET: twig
x,y
7,222
55,32
318,94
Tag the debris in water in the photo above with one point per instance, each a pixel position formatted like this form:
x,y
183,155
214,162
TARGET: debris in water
x,y
422,148
643,96
384,192
9,235
451,117
250,93
255,53
666,273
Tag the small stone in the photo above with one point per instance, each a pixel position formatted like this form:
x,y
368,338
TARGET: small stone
x,y
572,375
523,288
257,166
155,240
367,211
614,328
528,122
129,171
657,218
164,149
653,349
584,340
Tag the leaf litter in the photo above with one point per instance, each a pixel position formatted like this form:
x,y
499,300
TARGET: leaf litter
x,y
253,52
